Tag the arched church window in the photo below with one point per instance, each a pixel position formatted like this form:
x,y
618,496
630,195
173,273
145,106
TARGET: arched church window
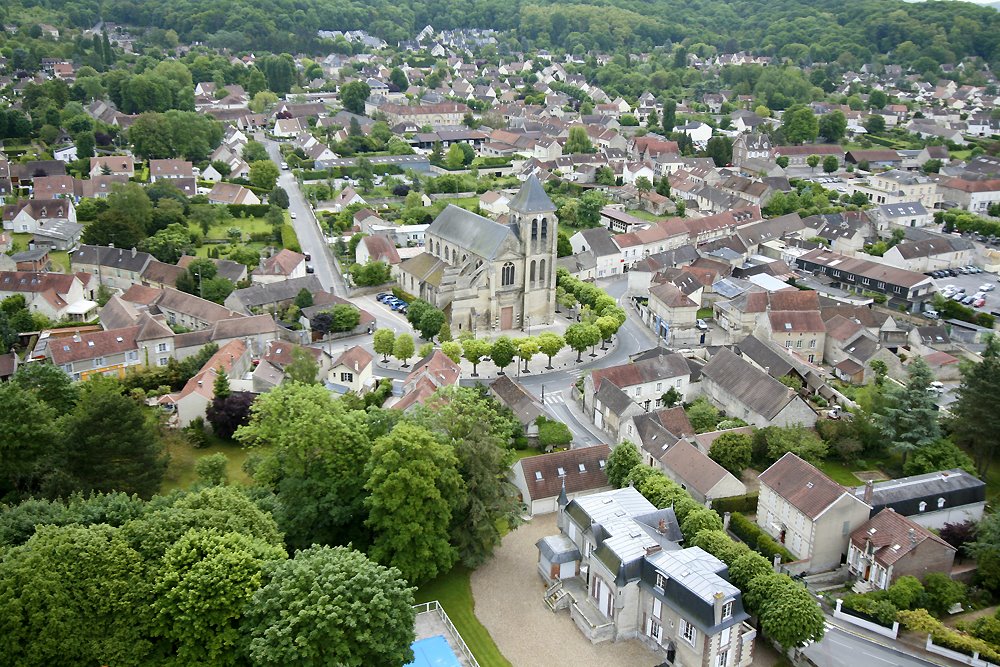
x,y
545,227
507,274
532,274
534,230
542,276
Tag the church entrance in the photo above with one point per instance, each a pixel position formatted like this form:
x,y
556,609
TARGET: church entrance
x,y
507,318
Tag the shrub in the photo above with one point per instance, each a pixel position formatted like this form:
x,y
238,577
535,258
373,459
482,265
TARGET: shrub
x,y
921,622
719,544
757,539
881,611
747,503
289,240
196,433
405,296
941,592
906,593
698,520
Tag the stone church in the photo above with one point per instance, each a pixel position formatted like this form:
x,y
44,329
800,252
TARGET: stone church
x,y
486,275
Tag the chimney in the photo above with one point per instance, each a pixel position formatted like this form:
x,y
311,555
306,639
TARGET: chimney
x,y
913,536
133,251
869,492
661,527
717,600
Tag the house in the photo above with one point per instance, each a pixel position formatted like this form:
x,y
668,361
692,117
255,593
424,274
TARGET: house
x,y
107,165
905,214
801,331
671,312
889,546
280,354
640,584
117,268
269,295
541,480
30,215
57,296
36,259
525,406
699,475
428,375
231,193
644,382
171,169
598,241
352,369
346,197
232,359
746,392
932,499
939,251
112,352
808,513
494,202
284,265
377,249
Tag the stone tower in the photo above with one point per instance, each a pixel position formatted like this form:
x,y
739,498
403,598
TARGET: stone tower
x,y
534,216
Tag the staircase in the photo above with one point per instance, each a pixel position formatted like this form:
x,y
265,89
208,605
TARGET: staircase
x,y
557,598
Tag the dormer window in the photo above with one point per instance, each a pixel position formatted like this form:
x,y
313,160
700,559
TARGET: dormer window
x,y
583,468
538,476
923,506
661,581
561,471
940,503
727,609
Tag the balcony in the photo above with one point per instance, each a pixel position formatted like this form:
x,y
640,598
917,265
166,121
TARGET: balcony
x,y
572,593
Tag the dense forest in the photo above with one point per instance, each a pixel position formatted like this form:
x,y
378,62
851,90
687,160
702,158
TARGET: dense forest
x,y
822,30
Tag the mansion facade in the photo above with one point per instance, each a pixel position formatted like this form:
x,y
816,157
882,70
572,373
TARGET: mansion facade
x,y
487,275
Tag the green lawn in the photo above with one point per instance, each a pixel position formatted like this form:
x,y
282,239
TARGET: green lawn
x,y
706,313
646,215
180,471
249,226
454,592
839,473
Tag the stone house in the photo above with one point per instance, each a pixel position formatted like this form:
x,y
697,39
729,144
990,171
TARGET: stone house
x,y
541,480
889,546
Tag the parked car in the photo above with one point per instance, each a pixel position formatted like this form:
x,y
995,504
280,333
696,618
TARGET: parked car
x,y
967,301
701,324
979,303
382,296
310,269
284,165
986,287
292,214
937,387
932,314
308,256
834,412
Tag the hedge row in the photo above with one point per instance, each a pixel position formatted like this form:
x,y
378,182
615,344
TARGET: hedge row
x,y
248,210
757,539
922,622
747,503
289,239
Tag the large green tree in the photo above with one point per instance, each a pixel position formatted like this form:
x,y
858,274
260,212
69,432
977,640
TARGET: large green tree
x,y
799,124
976,411
622,460
331,606
414,489
28,435
910,419
314,455
353,96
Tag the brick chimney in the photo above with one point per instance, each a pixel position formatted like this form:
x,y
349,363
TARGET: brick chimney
x,y
869,492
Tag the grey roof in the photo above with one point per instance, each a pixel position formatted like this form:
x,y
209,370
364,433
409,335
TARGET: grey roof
x,y
757,390
921,486
531,198
613,398
480,236
60,229
697,570
263,294
558,549
902,210
118,258
766,356
600,241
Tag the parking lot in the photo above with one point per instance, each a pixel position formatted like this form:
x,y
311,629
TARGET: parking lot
x,y
971,285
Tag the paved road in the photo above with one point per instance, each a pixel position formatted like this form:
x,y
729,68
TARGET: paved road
x,y
307,228
844,649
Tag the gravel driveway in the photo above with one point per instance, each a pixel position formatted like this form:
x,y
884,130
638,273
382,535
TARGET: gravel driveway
x,y
508,594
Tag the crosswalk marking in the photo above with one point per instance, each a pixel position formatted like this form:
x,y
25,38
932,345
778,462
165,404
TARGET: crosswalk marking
x,y
554,398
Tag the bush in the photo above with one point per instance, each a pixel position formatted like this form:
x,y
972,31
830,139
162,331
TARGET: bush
x,y
289,240
248,210
941,592
880,611
757,539
906,593
921,622
405,296
747,503
196,433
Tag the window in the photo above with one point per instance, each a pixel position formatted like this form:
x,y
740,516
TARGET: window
x,y
788,344
659,386
655,630
98,362
532,271
727,609
657,608
534,230
132,356
798,343
545,227
347,377
688,632
940,503
638,391
162,361
661,581
923,506
723,658
507,274
162,347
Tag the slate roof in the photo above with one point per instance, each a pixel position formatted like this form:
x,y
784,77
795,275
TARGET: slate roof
x,y
263,294
802,484
600,242
693,466
904,494
757,390
117,258
583,470
531,198
525,406
480,236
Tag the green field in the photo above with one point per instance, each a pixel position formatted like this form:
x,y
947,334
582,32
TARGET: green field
x,y
839,473
251,225
454,591
180,471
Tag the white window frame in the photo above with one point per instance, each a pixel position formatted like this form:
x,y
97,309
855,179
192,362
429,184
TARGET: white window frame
x,y
661,582
688,632
727,609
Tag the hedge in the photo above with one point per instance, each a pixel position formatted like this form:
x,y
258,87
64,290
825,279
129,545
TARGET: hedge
x,y
757,539
747,503
248,210
405,296
289,240
922,622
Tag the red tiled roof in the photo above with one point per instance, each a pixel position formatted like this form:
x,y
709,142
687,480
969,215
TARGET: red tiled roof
x,y
802,484
542,478
893,536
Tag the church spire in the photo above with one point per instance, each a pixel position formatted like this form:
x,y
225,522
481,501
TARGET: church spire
x,y
531,198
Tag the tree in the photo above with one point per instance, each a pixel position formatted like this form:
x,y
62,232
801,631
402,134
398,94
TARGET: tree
x,y
874,124
527,348
353,96
384,342
773,442
430,323
698,520
791,616
398,79
475,350
976,409
623,459
591,203
49,384
116,447
670,397
833,126
278,197
703,415
204,588
314,452
414,487
782,162
167,245
264,174
479,430
254,151
906,592
799,124
732,451
502,352
669,116
85,144
720,149
580,336
986,550
830,164
578,141
403,348
28,434
229,412
942,454
73,595
303,368
331,606
452,350
812,161
941,592
910,420
262,100
608,326
663,187
549,344
643,186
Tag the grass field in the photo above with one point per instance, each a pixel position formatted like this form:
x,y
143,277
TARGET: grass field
x,y
646,215
248,226
180,471
454,591
839,473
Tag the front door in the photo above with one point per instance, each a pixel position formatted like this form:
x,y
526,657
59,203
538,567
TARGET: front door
x,y
507,318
